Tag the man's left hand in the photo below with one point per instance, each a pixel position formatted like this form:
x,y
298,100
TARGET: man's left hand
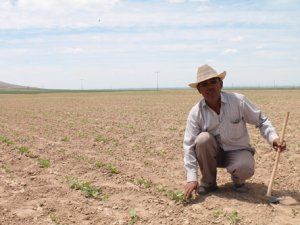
x,y
279,146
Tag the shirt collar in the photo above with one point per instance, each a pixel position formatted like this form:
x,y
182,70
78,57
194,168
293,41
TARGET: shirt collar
x,y
223,99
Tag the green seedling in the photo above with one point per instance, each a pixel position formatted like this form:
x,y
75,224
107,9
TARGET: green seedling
x,y
109,167
44,163
86,187
161,189
162,152
112,169
6,140
65,139
101,138
62,151
233,217
218,213
99,164
143,182
56,220
116,143
133,216
31,155
104,198
135,147
177,196
23,150
27,152
80,158
6,169
295,212
130,126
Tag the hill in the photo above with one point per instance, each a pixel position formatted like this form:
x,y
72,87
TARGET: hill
x,y
8,86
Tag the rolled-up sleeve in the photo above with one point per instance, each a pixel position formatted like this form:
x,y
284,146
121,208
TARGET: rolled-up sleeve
x,y
252,115
191,132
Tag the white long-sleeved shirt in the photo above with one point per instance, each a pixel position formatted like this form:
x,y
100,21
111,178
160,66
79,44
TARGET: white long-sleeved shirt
x,y
229,127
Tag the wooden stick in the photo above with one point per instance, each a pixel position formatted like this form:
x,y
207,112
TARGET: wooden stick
x,y
277,155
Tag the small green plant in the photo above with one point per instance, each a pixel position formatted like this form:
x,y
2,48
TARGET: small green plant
x,y
65,139
31,155
112,169
104,198
143,182
233,217
86,187
80,158
177,196
109,167
101,138
44,163
161,189
6,140
218,213
6,169
99,164
295,212
55,219
115,142
23,150
62,151
135,147
133,216
162,152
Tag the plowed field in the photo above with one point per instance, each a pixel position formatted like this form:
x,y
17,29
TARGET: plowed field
x,y
117,158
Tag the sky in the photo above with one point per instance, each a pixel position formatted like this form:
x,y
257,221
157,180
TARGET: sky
x,y
119,44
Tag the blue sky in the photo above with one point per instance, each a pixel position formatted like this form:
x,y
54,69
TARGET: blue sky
x,y
103,44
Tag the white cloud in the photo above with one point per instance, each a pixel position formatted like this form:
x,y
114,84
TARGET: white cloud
x,y
259,46
202,1
69,5
26,14
271,54
72,50
237,39
229,51
176,1
55,14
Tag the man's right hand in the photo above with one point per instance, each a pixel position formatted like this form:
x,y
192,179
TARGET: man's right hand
x,y
189,188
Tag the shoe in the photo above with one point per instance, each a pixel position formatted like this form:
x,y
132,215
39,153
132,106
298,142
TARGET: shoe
x,y
240,188
205,190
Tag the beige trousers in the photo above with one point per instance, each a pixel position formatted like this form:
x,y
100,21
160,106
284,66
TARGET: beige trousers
x,y
239,163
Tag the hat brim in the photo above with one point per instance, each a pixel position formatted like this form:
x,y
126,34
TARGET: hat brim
x,y
221,76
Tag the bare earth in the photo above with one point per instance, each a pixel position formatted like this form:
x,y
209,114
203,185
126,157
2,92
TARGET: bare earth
x,y
128,146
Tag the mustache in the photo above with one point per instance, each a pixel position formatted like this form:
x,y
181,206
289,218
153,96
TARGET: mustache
x,y
210,90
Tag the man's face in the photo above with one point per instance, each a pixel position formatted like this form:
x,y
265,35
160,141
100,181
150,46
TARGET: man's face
x,y
210,89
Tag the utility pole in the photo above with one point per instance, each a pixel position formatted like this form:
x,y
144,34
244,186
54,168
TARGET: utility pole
x,y
81,81
157,72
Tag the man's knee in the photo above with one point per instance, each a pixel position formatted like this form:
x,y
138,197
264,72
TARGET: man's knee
x,y
204,138
244,170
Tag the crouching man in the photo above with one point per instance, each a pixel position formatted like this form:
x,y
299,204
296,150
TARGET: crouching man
x,y
216,135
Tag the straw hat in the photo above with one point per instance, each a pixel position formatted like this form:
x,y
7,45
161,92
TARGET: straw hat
x,y
204,73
